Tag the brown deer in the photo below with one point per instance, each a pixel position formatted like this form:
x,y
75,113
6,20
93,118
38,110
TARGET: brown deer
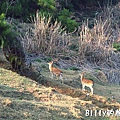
x,y
55,71
86,82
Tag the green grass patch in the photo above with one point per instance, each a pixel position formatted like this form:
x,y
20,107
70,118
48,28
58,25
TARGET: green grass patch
x,y
74,47
116,46
38,60
74,68
47,59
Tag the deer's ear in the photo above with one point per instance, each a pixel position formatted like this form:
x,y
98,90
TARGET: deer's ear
x,y
83,72
55,59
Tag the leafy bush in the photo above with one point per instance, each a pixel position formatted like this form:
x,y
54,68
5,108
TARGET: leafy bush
x,y
12,48
66,4
21,9
47,7
4,29
64,17
47,4
24,9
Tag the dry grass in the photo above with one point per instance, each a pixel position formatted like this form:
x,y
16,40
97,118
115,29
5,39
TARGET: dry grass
x,y
96,43
34,101
43,36
31,100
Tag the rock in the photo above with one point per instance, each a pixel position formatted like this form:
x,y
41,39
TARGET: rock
x,y
3,61
101,76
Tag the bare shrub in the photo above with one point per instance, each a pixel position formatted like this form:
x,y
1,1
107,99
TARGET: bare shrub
x,y
113,76
95,43
46,37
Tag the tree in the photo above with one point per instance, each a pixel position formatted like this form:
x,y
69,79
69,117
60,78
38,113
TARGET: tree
x,y
20,9
4,29
64,17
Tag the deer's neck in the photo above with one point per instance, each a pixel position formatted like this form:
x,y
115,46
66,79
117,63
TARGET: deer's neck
x,y
50,67
81,77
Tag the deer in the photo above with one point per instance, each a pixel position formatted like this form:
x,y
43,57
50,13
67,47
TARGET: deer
x,y
55,71
86,82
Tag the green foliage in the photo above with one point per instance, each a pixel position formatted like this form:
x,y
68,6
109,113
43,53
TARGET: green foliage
x,y
74,47
38,60
117,46
66,4
47,7
74,68
10,44
4,29
44,66
48,59
64,17
47,4
65,13
21,9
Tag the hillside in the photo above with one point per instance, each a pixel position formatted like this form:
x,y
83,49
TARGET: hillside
x,y
23,98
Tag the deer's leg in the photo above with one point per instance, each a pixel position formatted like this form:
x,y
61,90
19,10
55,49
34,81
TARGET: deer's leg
x,y
83,87
61,78
52,75
91,89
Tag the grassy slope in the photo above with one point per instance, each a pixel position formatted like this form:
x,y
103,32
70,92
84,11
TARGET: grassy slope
x,y
23,98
